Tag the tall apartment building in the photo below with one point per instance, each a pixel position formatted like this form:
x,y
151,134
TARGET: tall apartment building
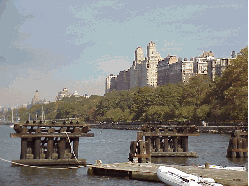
x,y
136,74
36,99
152,60
154,71
170,70
144,70
123,80
217,66
110,83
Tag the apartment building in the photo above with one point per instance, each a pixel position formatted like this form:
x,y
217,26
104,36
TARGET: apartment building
x,y
170,70
123,80
154,71
110,83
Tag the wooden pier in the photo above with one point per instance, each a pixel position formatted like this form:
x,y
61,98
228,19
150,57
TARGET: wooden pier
x,y
147,172
162,141
50,144
238,145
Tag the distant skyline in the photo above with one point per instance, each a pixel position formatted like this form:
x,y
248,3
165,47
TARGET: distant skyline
x,y
48,45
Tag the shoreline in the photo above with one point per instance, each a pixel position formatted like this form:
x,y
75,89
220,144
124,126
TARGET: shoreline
x,y
200,129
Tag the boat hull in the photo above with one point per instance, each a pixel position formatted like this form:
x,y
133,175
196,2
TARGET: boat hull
x,y
174,177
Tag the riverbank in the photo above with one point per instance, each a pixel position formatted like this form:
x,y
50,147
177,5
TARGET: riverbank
x,y
138,126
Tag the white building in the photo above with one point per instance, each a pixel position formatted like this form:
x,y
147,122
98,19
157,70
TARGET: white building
x,y
109,83
62,94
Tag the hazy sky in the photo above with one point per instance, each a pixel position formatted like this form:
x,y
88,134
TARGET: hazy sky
x,y
48,45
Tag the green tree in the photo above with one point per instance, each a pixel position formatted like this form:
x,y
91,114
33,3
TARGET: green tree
x,y
193,96
142,100
231,90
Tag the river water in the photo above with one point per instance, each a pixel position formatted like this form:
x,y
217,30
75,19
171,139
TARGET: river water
x,y
110,146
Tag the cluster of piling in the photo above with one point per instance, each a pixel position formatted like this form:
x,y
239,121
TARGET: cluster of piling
x,y
162,141
50,144
238,145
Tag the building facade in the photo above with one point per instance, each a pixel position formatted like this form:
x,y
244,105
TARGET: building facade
x,y
150,66
123,80
154,71
110,83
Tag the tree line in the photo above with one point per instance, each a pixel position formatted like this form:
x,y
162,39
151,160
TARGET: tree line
x,y
201,99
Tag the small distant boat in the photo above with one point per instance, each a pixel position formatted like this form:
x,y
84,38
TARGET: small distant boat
x,y
175,177
224,168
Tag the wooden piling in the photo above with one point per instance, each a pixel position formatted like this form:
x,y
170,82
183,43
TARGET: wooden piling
x,y
175,144
76,142
62,145
165,144
50,144
185,143
37,144
244,147
157,143
139,135
24,146
239,145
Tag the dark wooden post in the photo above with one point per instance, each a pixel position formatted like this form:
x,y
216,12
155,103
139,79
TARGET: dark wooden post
x,y
76,142
240,154
185,143
245,146
50,145
165,144
141,150
24,143
62,145
175,144
148,139
24,146
147,147
132,150
157,144
234,146
37,144
139,135
152,142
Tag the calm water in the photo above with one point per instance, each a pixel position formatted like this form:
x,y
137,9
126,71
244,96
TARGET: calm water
x,y
110,146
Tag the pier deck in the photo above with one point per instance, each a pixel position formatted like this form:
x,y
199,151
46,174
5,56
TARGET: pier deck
x,y
147,172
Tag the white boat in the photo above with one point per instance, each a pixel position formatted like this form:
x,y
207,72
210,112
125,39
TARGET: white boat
x,y
224,168
11,126
175,177
235,168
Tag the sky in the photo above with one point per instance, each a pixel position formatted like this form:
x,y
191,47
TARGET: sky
x,y
47,45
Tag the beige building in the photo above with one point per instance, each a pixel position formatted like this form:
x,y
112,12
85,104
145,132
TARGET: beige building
x,y
62,94
144,70
201,65
170,70
151,63
123,80
136,69
154,71
217,66
187,70
110,83
35,100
